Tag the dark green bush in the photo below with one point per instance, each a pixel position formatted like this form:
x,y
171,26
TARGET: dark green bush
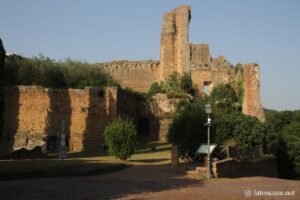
x,y
188,128
224,96
120,136
45,72
291,144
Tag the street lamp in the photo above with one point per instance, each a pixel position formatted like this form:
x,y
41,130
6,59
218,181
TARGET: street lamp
x,y
208,111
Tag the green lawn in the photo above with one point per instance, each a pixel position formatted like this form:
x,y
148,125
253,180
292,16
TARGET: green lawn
x,y
83,163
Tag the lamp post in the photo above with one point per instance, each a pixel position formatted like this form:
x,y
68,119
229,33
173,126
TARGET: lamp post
x,y
208,111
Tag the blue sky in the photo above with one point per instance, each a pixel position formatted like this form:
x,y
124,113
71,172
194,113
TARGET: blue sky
x,y
262,31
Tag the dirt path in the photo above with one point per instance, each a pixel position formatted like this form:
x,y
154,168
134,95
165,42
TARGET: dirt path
x,y
142,182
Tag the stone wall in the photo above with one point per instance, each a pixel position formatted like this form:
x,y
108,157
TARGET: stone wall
x,y
200,55
177,55
35,114
230,168
206,76
251,102
174,43
137,75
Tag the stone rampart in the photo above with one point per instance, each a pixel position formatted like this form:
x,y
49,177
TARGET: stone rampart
x,y
137,75
34,117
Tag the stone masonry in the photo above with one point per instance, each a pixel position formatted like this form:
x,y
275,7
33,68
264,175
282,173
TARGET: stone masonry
x,y
33,116
178,55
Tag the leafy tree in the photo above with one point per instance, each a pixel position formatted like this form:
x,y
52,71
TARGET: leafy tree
x,y
2,74
120,136
188,128
291,144
224,96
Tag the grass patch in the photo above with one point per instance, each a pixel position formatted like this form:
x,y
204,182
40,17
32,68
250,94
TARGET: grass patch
x,y
83,163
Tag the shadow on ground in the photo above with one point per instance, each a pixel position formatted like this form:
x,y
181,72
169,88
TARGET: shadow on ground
x,y
33,169
133,180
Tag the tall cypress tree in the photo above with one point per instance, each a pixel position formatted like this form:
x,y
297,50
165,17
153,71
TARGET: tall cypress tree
x,y
2,83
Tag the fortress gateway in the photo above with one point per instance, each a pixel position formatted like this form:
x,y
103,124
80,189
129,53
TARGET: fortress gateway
x,y
33,115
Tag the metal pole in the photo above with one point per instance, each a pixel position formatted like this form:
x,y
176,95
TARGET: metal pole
x,y
208,147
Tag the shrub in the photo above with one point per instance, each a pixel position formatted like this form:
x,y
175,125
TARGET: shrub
x,y
224,95
174,86
186,84
120,136
248,132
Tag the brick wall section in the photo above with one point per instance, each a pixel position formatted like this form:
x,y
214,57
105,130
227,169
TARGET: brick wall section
x,y
174,43
211,77
251,102
137,75
33,113
200,55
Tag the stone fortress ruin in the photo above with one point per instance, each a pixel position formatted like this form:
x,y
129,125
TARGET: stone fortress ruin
x,y
33,115
177,55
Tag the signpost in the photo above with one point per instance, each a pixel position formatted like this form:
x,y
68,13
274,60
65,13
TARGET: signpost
x,y
62,145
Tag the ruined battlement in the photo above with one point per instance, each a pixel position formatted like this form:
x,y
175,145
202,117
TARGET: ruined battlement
x,y
138,75
200,56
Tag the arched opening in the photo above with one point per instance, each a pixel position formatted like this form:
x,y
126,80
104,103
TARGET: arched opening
x,y
143,128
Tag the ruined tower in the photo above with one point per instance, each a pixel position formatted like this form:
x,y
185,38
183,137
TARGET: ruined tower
x,y
174,42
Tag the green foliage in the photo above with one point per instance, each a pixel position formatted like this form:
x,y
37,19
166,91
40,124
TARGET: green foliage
x,y
2,60
284,128
120,136
136,94
154,89
49,73
186,84
291,140
224,95
240,86
188,128
175,86
246,134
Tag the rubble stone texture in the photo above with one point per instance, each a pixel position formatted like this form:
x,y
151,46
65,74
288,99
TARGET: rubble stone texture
x,y
33,114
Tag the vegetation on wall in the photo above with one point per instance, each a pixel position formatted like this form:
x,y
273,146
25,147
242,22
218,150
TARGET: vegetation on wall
x,y
240,88
174,86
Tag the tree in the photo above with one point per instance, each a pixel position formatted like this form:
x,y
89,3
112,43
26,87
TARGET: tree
x,y
291,140
224,96
2,82
188,129
120,136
